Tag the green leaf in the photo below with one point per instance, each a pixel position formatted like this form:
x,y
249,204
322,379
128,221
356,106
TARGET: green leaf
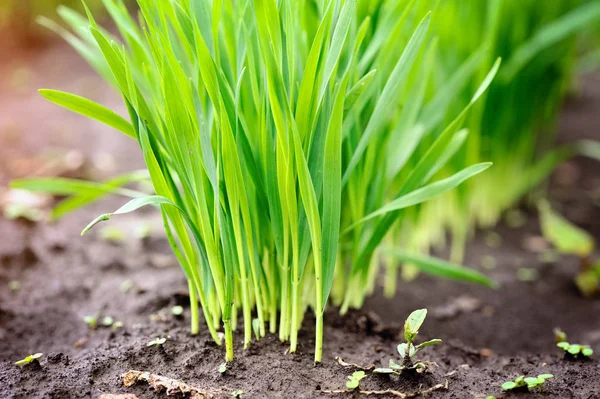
x,y
551,34
393,364
90,109
587,352
563,345
566,237
545,376
413,323
574,349
533,382
332,192
425,193
507,386
440,268
131,206
428,343
389,95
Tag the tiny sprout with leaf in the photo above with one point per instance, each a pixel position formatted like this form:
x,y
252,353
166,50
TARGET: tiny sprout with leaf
x,y
408,350
157,342
116,325
223,368
527,382
573,350
108,321
354,379
576,350
177,310
237,393
91,320
29,359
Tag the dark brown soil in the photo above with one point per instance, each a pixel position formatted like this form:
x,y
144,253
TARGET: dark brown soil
x,y
501,334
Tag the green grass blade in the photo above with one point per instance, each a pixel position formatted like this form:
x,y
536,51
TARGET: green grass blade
x,y
90,109
389,95
440,268
425,193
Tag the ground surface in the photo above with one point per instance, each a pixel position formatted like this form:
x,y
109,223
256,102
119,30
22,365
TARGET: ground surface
x,y
489,336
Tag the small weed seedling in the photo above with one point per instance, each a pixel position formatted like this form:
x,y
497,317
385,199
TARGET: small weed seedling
x,y
576,350
108,321
91,320
528,383
29,359
408,350
157,342
116,325
572,350
237,393
177,310
223,368
354,379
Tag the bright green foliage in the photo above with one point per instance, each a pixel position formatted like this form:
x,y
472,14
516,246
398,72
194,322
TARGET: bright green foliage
x,y
512,124
576,350
407,349
29,359
354,379
157,342
257,122
566,237
527,382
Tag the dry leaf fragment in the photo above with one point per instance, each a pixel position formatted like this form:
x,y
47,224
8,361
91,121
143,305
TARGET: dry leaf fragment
x,y
171,386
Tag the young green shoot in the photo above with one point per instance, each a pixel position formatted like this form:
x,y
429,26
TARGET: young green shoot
x,y
91,320
528,383
576,350
177,310
223,368
354,379
108,321
156,342
29,359
408,350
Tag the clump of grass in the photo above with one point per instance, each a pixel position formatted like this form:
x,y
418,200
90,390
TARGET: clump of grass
x,y
256,128
512,125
